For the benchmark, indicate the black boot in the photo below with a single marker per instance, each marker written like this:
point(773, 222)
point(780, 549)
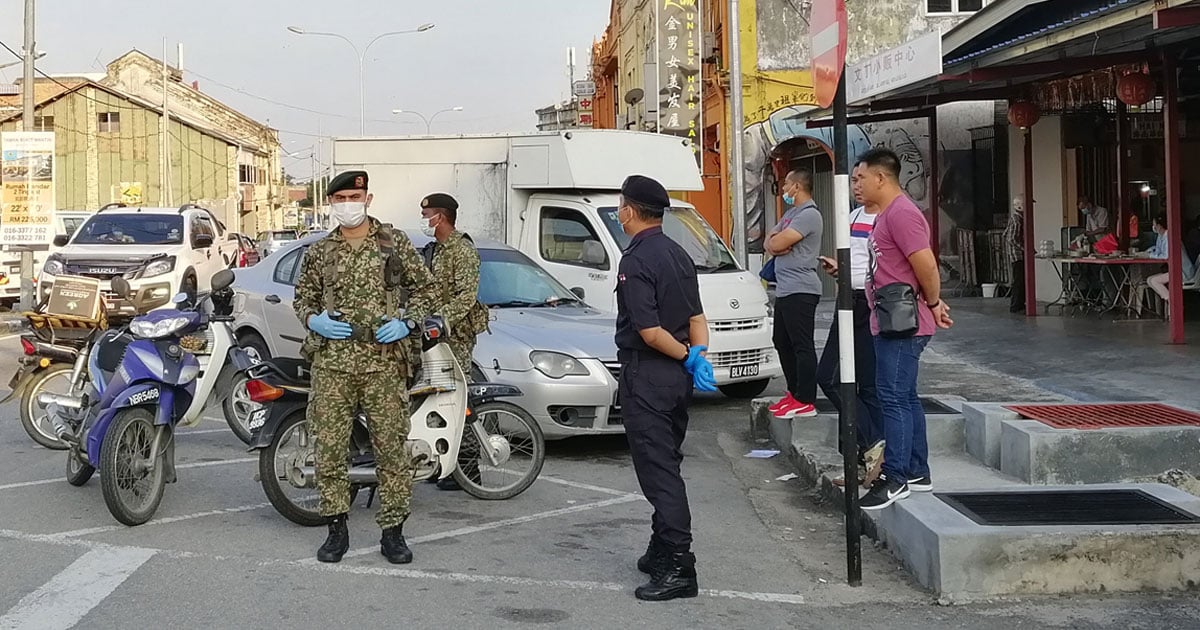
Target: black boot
point(652, 558)
point(337, 542)
point(393, 547)
point(677, 578)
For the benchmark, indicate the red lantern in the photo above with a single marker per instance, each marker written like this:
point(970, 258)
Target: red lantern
point(1135, 89)
point(1023, 114)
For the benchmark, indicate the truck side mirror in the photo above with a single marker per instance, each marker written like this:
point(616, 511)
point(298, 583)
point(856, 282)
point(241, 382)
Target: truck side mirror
point(201, 241)
point(60, 240)
point(579, 292)
point(593, 253)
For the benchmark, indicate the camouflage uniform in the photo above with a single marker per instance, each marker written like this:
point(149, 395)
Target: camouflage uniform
point(361, 372)
point(456, 273)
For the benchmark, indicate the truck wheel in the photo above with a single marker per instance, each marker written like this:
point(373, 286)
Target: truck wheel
point(749, 389)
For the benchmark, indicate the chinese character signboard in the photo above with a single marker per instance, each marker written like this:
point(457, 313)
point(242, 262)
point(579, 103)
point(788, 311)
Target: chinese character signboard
point(919, 59)
point(26, 187)
point(585, 112)
point(679, 88)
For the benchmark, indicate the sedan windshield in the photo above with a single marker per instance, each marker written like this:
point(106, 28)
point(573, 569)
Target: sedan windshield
point(131, 229)
point(686, 227)
point(509, 279)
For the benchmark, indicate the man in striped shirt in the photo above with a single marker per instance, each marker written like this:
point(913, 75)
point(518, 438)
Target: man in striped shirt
point(870, 414)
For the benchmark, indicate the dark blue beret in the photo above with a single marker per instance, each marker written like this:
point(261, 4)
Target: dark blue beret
point(646, 191)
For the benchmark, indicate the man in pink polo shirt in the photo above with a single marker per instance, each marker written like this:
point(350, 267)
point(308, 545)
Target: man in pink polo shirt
point(900, 253)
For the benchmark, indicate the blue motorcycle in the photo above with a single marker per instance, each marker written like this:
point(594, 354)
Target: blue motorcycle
point(142, 381)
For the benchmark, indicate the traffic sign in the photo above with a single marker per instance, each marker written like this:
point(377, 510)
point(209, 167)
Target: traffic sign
point(584, 88)
point(827, 28)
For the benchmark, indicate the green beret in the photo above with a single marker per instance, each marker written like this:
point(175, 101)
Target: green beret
point(646, 191)
point(350, 180)
point(440, 200)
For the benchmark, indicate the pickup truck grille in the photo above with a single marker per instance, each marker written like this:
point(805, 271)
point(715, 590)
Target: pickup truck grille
point(103, 270)
point(734, 325)
point(737, 357)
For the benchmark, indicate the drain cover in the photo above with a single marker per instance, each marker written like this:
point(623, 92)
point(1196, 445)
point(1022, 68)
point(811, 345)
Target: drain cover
point(1109, 416)
point(1066, 507)
point(932, 407)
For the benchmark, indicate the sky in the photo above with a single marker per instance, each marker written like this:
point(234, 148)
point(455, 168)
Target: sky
point(497, 59)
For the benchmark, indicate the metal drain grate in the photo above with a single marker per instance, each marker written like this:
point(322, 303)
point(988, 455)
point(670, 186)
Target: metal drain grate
point(1066, 507)
point(1109, 416)
point(932, 407)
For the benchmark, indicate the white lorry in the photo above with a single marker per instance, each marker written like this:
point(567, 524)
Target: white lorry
point(553, 196)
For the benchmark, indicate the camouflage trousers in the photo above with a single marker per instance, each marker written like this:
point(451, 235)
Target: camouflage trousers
point(383, 396)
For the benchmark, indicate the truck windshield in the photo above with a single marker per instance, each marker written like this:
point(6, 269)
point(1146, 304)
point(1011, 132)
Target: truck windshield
point(131, 229)
point(686, 227)
point(509, 279)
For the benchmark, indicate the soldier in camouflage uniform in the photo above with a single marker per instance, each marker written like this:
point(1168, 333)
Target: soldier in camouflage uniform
point(347, 297)
point(455, 264)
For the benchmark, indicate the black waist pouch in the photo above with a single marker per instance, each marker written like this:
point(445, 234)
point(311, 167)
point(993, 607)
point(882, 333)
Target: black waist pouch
point(896, 310)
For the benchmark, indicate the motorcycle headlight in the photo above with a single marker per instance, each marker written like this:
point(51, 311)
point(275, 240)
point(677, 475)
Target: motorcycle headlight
point(157, 330)
point(159, 267)
point(53, 266)
point(556, 364)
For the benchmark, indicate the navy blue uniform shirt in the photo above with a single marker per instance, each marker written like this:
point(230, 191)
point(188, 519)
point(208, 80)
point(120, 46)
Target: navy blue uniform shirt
point(656, 286)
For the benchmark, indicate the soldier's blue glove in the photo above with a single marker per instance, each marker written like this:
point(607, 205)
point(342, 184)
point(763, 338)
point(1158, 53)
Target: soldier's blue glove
point(328, 327)
point(702, 376)
point(391, 331)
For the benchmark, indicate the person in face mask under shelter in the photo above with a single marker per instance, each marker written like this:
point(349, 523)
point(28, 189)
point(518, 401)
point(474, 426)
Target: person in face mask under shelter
point(350, 307)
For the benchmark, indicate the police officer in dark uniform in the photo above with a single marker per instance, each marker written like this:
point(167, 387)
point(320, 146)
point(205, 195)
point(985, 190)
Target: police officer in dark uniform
point(661, 339)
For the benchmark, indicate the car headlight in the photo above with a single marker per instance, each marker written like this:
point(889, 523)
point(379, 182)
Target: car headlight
point(557, 364)
point(157, 330)
point(53, 267)
point(159, 267)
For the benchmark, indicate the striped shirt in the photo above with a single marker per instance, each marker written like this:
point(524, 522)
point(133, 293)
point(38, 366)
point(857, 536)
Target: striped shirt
point(861, 224)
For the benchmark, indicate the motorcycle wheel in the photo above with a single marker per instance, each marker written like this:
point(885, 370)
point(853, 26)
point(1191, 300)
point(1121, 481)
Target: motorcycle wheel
point(523, 441)
point(34, 418)
point(236, 404)
point(302, 511)
point(78, 473)
point(132, 496)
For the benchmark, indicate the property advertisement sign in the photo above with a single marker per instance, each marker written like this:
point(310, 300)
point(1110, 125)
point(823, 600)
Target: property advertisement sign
point(679, 65)
point(26, 187)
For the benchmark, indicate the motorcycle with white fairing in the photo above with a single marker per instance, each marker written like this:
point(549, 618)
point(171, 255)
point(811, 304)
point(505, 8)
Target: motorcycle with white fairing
point(136, 385)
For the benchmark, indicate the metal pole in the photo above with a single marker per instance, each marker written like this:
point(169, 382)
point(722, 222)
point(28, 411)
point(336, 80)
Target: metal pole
point(1027, 227)
point(737, 175)
point(935, 181)
point(845, 315)
point(1171, 118)
point(27, 103)
point(362, 95)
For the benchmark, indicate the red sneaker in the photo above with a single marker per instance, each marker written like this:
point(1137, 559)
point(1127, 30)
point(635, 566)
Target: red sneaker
point(795, 409)
point(787, 398)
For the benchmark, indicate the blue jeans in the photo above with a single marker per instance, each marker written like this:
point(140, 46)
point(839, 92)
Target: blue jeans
point(906, 455)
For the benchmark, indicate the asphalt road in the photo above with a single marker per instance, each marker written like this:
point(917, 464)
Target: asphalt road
point(560, 555)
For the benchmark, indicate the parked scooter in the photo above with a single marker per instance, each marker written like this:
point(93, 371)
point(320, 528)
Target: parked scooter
point(49, 350)
point(142, 381)
point(509, 437)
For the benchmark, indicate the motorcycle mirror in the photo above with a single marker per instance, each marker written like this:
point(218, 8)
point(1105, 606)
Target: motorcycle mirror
point(179, 298)
point(223, 279)
point(121, 287)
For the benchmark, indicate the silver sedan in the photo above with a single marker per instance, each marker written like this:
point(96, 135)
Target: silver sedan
point(542, 339)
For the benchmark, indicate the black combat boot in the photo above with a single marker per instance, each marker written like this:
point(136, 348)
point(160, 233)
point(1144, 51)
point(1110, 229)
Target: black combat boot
point(393, 547)
point(338, 541)
point(652, 558)
point(675, 577)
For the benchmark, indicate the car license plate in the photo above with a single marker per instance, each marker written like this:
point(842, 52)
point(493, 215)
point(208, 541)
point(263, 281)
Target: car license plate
point(742, 371)
point(257, 418)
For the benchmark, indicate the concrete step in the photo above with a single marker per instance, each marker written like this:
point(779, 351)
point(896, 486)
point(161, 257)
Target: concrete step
point(959, 559)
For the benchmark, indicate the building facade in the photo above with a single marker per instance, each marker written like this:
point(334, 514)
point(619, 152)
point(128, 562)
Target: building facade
point(560, 116)
point(109, 145)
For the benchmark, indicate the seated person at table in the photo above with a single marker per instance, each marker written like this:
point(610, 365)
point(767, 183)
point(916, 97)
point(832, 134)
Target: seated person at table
point(1158, 282)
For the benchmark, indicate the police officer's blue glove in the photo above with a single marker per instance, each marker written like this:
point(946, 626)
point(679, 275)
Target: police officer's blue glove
point(702, 377)
point(328, 327)
point(391, 331)
point(693, 353)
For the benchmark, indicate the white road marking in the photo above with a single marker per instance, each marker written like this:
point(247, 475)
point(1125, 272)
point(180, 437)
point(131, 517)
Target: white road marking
point(203, 431)
point(222, 462)
point(70, 595)
point(585, 486)
point(579, 585)
point(474, 529)
point(160, 521)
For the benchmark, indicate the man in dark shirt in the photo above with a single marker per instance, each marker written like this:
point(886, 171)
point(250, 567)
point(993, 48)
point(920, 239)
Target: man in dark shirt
point(661, 339)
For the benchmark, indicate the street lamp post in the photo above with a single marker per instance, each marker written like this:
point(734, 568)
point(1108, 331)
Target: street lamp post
point(362, 57)
point(428, 121)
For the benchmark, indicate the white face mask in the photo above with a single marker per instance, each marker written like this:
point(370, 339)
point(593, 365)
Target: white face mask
point(427, 226)
point(349, 214)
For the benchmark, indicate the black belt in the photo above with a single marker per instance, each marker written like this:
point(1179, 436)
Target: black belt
point(633, 356)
